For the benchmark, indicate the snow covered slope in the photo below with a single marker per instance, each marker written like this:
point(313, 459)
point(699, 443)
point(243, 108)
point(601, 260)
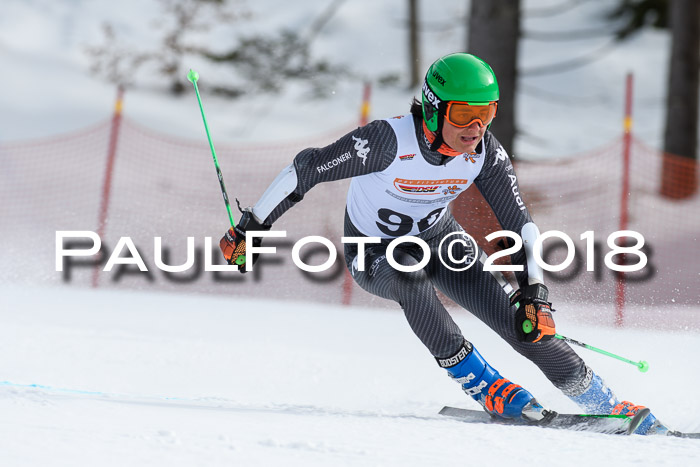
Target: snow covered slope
point(173, 380)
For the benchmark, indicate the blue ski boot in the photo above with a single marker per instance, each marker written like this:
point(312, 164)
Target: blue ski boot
point(650, 426)
point(597, 398)
point(594, 397)
point(497, 395)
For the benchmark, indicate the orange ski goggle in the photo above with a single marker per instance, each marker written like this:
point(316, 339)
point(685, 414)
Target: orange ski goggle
point(463, 114)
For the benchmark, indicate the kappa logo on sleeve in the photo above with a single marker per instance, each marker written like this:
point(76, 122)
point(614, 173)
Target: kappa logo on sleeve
point(361, 148)
point(501, 155)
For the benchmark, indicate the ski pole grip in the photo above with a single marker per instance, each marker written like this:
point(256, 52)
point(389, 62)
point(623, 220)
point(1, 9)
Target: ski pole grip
point(193, 76)
point(527, 326)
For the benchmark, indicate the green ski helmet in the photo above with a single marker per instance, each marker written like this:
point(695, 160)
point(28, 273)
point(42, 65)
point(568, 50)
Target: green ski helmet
point(456, 77)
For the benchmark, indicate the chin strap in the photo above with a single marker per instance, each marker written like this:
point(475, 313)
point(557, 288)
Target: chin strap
point(438, 144)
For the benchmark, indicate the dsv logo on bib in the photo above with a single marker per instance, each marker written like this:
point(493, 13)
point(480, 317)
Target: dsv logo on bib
point(428, 187)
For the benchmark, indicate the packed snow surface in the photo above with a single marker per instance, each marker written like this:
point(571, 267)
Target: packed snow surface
point(95, 378)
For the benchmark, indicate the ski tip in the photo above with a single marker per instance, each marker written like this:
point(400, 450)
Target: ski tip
point(637, 420)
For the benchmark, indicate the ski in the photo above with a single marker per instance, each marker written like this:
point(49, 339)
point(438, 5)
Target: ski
point(680, 434)
point(609, 424)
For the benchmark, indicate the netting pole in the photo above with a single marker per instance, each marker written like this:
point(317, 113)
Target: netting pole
point(109, 168)
point(364, 119)
point(624, 201)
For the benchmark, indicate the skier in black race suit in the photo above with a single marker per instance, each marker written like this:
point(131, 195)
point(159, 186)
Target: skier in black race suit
point(405, 171)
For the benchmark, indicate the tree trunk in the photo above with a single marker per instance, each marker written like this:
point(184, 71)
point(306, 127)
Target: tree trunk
point(494, 31)
point(679, 174)
point(413, 44)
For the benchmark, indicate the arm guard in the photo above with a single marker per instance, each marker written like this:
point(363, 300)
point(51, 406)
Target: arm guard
point(281, 187)
point(529, 234)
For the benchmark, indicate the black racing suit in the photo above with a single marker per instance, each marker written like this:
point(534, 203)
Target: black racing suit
point(477, 291)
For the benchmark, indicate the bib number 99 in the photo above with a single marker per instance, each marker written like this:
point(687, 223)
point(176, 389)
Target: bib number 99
point(396, 224)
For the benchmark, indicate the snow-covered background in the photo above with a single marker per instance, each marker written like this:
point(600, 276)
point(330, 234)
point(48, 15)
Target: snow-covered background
point(47, 89)
point(139, 378)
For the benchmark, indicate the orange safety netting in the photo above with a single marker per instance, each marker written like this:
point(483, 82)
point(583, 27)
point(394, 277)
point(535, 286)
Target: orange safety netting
point(584, 193)
point(166, 187)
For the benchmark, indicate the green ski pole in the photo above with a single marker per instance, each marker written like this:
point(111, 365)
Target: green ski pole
point(642, 365)
point(193, 76)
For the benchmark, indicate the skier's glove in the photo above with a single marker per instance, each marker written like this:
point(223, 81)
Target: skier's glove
point(533, 319)
point(233, 243)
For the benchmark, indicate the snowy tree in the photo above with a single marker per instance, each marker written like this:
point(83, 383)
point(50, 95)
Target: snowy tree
point(260, 62)
point(494, 31)
point(681, 126)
